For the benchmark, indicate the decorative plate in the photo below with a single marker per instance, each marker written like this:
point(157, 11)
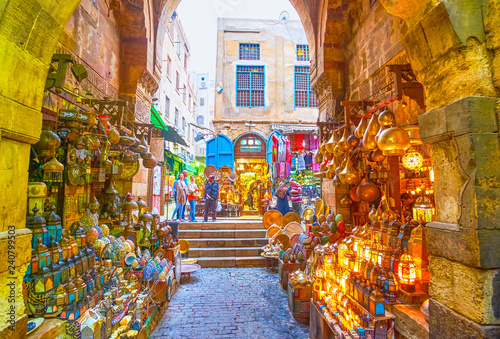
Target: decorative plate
point(273, 231)
point(218, 174)
point(34, 323)
point(293, 228)
point(129, 169)
point(284, 240)
point(290, 217)
point(320, 207)
point(272, 217)
point(208, 171)
point(307, 214)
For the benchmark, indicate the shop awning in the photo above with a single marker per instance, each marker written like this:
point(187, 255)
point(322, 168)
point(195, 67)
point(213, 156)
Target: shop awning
point(168, 133)
point(175, 163)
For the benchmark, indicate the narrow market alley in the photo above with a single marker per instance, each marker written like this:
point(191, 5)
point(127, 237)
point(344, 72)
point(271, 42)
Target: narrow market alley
point(230, 303)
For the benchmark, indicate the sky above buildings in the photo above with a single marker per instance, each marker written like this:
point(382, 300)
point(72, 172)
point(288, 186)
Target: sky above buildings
point(199, 19)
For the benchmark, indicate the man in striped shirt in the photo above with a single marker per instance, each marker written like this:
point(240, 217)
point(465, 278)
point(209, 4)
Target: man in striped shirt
point(296, 196)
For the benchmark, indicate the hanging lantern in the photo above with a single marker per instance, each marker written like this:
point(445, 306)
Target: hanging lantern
point(412, 160)
point(422, 209)
point(368, 191)
point(359, 132)
point(47, 145)
point(386, 118)
point(407, 272)
point(394, 141)
point(343, 145)
point(53, 171)
point(330, 144)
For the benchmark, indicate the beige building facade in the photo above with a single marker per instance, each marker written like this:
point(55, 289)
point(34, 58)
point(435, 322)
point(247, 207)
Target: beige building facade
point(268, 67)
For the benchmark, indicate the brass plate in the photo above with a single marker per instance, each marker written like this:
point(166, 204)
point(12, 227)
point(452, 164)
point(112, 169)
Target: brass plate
point(293, 228)
point(129, 169)
point(320, 207)
point(294, 239)
point(272, 217)
point(321, 219)
point(184, 246)
point(273, 231)
point(289, 217)
point(327, 210)
point(284, 240)
point(217, 174)
point(209, 170)
point(307, 213)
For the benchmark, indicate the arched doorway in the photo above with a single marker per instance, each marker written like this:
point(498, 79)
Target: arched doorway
point(253, 184)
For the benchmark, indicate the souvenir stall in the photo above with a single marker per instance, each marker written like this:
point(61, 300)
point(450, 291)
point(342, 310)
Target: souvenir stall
point(101, 263)
point(253, 182)
point(377, 264)
point(291, 156)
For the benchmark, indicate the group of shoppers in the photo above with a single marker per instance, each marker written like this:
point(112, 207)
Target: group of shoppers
point(295, 194)
point(185, 191)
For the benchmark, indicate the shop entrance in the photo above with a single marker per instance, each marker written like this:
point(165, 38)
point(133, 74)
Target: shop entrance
point(253, 184)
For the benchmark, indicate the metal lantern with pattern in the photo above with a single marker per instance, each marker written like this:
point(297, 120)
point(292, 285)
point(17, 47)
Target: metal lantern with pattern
point(412, 160)
point(422, 209)
point(405, 234)
point(391, 287)
point(53, 221)
point(407, 272)
point(67, 255)
point(81, 287)
point(53, 171)
point(85, 259)
point(44, 278)
point(56, 263)
point(37, 225)
point(78, 232)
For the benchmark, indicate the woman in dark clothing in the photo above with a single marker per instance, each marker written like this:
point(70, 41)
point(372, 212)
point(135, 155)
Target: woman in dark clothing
point(282, 194)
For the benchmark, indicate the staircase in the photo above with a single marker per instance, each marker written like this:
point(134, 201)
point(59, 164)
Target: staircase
point(225, 243)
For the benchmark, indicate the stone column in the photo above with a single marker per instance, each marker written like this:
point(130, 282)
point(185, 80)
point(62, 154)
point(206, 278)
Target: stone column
point(452, 54)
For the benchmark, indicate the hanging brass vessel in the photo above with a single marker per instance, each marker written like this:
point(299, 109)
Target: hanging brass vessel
point(343, 144)
point(386, 118)
point(349, 175)
point(330, 144)
point(359, 132)
point(394, 141)
point(353, 141)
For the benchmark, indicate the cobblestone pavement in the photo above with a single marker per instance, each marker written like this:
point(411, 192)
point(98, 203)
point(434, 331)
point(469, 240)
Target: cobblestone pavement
point(230, 303)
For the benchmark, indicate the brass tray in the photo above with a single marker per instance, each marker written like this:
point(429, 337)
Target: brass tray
point(320, 207)
point(209, 170)
point(289, 217)
point(307, 213)
point(272, 217)
point(284, 240)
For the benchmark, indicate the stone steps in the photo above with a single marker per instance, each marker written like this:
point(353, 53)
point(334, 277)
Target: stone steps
point(221, 225)
point(226, 242)
point(224, 252)
point(255, 261)
point(213, 234)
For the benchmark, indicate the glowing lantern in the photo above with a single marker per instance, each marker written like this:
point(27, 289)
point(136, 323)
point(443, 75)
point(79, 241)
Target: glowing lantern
point(407, 272)
point(422, 209)
point(413, 160)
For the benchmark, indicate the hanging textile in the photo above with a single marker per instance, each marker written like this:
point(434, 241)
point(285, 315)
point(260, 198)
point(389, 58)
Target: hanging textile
point(314, 142)
point(307, 144)
point(315, 167)
point(293, 142)
point(288, 159)
point(308, 159)
point(300, 141)
point(275, 148)
point(288, 169)
point(301, 164)
point(281, 149)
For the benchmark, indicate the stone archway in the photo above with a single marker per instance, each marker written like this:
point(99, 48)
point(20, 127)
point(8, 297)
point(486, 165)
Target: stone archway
point(29, 33)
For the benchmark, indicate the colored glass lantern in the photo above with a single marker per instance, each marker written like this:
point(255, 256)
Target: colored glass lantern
point(386, 262)
point(78, 264)
point(85, 259)
point(419, 252)
point(412, 160)
point(44, 278)
point(422, 209)
point(33, 265)
point(53, 222)
point(396, 255)
point(404, 234)
point(391, 287)
point(81, 287)
point(369, 268)
point(383, 236)
point(394, 232)
point(53, 171)
point(72, 292)
point(37, 225)
point(374, 252)
point(374, 229)
point(67, 256)
point(377, 277)
point(55, 264)
point(91, 256)
point(78, 232)
point(407, 272)
point(377, 307)
point(367, 250)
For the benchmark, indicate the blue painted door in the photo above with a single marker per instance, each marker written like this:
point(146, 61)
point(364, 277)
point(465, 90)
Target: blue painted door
point(269, 153)
point(220, 152)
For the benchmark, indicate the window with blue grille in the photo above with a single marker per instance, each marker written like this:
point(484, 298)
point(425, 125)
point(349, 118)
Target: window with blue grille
point(249, 52)
point(250, 86)
point(302, 52)
point(304, 96)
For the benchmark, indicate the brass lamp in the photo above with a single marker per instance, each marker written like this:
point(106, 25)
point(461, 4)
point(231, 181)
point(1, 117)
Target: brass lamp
point(394, 141)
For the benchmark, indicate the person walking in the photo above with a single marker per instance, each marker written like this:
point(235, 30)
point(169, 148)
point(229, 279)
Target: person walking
point(211, 198)
point(296, 196)
point(181, 196)
point(183, 212)
point(282, 193)
point(192, 197)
